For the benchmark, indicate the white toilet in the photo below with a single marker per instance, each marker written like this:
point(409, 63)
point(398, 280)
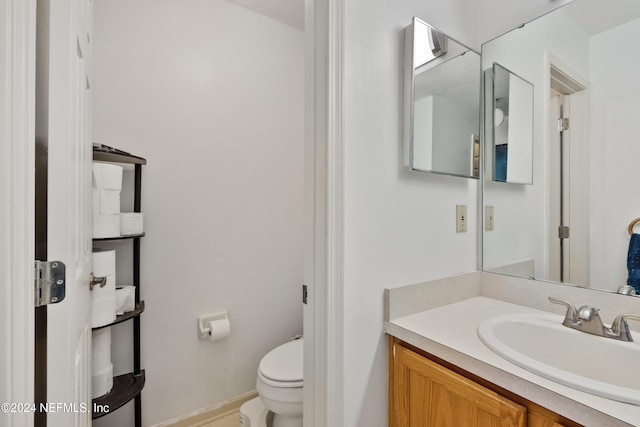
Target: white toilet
point(279, 386)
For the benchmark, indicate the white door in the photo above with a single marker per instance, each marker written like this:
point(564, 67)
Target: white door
point(577, 174)
point(69, 211)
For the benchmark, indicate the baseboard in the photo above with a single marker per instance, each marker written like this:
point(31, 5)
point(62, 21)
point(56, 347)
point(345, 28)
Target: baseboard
point(209, 413)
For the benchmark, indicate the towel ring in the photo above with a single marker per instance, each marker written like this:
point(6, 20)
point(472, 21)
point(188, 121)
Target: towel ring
point(634, 222)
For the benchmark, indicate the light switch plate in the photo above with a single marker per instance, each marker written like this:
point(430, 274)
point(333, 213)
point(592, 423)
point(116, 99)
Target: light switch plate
point(461, 218)
point(488, 218)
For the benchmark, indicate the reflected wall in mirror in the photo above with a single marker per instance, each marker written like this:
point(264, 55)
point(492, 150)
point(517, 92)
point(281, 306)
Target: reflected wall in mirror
point(571, 224)
point(510, 126)
point(442, 103)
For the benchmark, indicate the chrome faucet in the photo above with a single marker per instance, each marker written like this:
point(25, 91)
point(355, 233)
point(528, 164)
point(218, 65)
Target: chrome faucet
point(587, 319)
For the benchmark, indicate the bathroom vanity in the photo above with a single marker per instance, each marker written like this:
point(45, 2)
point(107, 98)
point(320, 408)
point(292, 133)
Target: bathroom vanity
point(426, 390)
point(440, 371)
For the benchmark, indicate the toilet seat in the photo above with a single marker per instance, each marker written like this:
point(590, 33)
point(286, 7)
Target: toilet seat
point(283, 366)
point(279, 384)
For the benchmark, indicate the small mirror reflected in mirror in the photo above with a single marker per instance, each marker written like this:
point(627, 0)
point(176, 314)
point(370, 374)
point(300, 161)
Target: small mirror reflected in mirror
point(511, 127)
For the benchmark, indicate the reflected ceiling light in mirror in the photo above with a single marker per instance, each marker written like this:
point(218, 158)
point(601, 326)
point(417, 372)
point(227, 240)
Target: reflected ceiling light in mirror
point(437, 45)
point(498, 117)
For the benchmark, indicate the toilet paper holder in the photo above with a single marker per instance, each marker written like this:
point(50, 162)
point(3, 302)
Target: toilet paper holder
point(204, 332)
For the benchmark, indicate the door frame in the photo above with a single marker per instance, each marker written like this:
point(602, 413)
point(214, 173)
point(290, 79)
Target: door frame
point(324, 214)
point(323, 265)
point(579, 241)
point(17, 193)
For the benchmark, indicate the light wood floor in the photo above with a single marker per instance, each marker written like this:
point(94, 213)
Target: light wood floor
point(225, 415)
point(229, 419)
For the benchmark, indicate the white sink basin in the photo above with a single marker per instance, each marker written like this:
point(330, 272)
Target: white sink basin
point(540, 344)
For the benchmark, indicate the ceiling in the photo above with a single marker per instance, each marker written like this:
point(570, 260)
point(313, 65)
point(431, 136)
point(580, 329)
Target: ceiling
point(290, 12)
point(596, 16)
point(587, 13)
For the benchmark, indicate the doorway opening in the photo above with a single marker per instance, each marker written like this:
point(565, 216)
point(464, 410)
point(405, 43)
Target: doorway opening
point(568, 193)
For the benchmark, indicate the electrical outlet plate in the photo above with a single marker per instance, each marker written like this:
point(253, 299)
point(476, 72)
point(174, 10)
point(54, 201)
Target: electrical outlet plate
point(488, 218)
point(461, 218)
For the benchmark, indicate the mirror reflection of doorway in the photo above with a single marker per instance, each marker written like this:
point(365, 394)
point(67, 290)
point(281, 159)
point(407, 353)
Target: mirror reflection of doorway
point(568, 179)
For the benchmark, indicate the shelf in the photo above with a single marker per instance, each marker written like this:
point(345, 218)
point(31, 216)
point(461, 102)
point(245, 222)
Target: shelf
point(125, 388)
point(131, 236)
point(124, 317)
point(117, 157)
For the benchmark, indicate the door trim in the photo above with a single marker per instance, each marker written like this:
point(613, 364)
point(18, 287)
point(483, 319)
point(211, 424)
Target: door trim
point(17, 136)
point(324, 214)
point(578, 83)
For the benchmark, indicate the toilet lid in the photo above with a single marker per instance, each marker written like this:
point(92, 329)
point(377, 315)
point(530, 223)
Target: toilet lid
point(283, 363)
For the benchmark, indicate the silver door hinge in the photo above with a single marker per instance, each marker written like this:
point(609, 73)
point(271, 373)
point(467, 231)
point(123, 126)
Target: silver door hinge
point(563, 232)
point(563, 124)
point(305, 294)
point(49, 282)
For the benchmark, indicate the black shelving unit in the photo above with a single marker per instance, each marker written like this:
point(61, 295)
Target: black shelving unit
point(129, 386)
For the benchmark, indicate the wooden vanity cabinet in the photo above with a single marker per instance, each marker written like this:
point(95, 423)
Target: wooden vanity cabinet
point(425, 393)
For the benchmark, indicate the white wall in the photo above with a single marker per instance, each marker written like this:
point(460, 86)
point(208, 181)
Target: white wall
point(399, 225)
point(615, 108)
point(212, 95)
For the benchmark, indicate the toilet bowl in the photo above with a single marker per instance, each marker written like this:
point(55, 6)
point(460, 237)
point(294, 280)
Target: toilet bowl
point(279, 383)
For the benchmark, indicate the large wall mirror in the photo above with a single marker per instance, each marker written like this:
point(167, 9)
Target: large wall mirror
point(442, 103)
point(571, 224)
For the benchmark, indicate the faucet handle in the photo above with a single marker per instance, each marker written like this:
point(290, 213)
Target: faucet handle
point(626, 290)
point(588, 313)
point(572, 313)
point(620, 327)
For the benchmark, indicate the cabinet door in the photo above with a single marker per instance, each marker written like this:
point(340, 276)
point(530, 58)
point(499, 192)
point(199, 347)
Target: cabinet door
point(425, 394)
point(537, 420)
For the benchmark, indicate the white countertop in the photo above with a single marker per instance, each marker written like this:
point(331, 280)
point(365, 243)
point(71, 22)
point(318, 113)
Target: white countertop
point(450, 332)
